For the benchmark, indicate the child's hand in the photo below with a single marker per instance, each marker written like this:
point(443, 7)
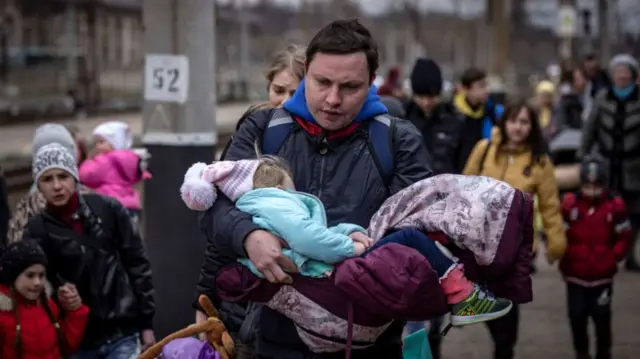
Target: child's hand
point(358, 249)
point(361, 238)
point(361, 243)
point(69, 298)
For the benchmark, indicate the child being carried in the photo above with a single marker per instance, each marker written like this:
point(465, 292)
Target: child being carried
point(264, 189)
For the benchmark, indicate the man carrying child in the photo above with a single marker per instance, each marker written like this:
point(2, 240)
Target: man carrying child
point(330, 154)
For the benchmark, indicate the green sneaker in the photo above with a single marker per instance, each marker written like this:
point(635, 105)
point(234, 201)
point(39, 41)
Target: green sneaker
point(480, 306)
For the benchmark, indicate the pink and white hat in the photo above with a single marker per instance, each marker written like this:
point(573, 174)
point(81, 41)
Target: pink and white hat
point(233, 178)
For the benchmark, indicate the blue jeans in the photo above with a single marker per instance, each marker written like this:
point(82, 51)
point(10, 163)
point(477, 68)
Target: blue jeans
point(419, 241)
point(124, 348)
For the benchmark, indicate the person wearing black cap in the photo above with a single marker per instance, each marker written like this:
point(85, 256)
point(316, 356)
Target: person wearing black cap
point(598, 237)
point(438, 121)
point(440, 126)
point(31, 325)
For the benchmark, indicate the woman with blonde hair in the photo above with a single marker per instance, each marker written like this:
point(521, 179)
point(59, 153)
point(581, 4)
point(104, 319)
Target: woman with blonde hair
point(284, 74)
point(283, 77)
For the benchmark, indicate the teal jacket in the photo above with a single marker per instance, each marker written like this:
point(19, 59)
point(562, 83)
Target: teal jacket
point(300, 220)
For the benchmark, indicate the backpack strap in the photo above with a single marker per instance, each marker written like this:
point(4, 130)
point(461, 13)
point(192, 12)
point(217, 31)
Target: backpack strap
point(380, 139)
point(277, 131)
point(381, 144)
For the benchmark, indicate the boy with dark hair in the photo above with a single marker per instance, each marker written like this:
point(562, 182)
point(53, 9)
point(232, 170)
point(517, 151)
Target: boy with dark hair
point(595, 74)
point(480, 113)
point(598, 236)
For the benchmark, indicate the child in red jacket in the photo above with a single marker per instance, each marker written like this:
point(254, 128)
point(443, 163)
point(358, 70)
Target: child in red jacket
point(598, 235)
point(31, 326)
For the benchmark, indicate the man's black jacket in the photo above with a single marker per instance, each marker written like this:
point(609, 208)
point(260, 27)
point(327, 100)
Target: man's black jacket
point(441, 131)
point(349, 184)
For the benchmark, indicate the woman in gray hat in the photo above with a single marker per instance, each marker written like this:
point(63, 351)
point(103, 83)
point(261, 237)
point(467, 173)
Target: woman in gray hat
point(33, 202)
point(91, 243)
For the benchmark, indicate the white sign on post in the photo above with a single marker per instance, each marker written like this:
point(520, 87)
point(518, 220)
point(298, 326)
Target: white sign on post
point(567, 18)
point(166, 78)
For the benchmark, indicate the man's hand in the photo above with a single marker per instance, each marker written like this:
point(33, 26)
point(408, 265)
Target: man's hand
point(147, 339)
point(69, 298)
point(265, 251)
point(359, 237)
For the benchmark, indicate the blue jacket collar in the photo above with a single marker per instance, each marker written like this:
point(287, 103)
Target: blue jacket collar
point(297, 105)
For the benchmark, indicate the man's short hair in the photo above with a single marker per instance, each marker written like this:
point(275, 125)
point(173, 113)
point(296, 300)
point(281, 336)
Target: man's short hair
point(343, 37)
point(471, 76)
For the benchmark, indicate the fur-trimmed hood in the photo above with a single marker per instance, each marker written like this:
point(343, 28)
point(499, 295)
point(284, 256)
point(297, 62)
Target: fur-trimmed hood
point(6, 304)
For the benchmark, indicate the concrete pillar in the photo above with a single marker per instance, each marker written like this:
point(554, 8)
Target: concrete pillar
point(177, 136)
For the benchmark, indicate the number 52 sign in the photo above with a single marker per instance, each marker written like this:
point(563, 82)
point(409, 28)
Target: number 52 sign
point(166, 78)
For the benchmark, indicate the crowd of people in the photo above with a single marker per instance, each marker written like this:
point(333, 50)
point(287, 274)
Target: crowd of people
point(602, 104)
point(322, 180)
point(73, 249)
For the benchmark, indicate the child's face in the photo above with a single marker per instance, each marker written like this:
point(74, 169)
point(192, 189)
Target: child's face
point(30, 283)
point(57, 186)
point(101, 145)
point(591, 190)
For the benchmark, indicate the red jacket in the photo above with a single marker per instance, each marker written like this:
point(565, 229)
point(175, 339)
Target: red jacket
point(598, 236)
point(38, 334)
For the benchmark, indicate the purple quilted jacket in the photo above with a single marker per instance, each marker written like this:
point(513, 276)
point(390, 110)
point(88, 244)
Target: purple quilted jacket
point(355, 305)
point(509, 276)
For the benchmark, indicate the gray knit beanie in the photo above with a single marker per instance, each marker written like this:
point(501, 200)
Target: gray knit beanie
point(53, 133)
point(54, 156)
point(627, 60)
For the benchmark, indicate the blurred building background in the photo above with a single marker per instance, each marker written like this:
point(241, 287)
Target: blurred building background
point(93, 49)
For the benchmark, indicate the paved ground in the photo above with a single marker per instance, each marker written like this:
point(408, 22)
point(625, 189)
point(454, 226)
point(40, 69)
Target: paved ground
point(544, 327)
point(16, 139)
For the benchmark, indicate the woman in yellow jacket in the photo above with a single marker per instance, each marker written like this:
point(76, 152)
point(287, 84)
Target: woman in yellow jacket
point(516, 154)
